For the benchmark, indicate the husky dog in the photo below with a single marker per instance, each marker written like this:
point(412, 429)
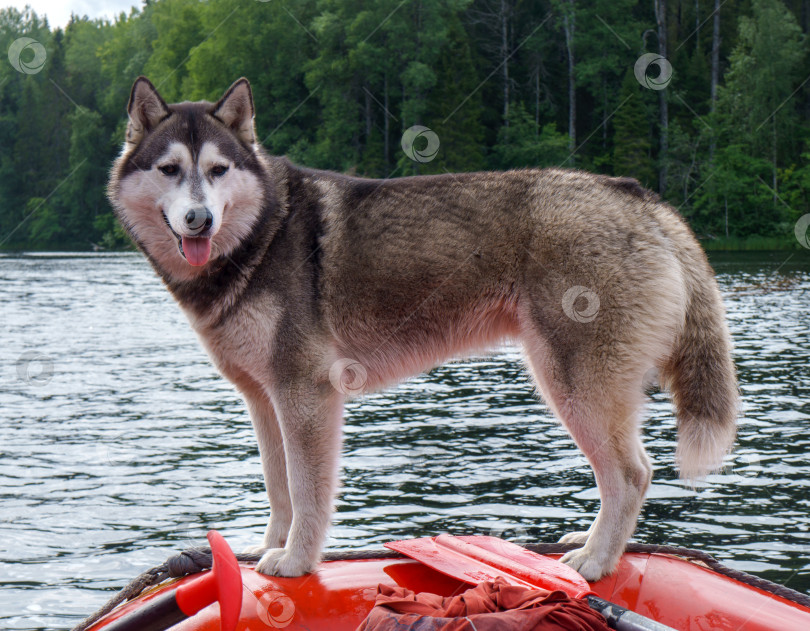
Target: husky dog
point(305, 286)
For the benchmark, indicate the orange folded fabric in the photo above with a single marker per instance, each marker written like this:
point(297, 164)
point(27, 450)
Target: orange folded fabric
point(490, 606)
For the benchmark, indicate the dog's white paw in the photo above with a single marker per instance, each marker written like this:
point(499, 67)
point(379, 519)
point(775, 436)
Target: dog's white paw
point(254, 549)
point(575, 537)
point(591, 566)
point(281, 562)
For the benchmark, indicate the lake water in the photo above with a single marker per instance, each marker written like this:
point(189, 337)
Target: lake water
point(120, 444)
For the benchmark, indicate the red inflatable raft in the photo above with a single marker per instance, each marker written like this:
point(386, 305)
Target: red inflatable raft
point(683, 589)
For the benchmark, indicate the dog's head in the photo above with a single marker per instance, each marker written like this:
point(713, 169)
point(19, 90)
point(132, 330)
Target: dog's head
point(188, 184)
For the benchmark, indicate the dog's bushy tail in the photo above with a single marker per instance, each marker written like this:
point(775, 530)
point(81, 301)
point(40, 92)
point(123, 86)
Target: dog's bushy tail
point(701, 376)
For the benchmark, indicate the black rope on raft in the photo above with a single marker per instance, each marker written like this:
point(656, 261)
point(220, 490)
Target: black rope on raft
point(197, 560)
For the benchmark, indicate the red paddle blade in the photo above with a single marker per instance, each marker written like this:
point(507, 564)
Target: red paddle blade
point(222, 584)
point(229, 581)
point(480, 558)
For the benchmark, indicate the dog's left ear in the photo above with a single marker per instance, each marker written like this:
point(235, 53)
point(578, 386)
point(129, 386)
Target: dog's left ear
point(235, 110)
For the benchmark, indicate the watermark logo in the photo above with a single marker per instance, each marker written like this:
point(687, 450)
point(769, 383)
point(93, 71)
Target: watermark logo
point(420, 143)
point(275, 609)
point(508, 538)
point(651, 379)
point(34, 52)
point(580, 304)
point(800, 230)
point(348, 376)
point(191, 534)
point(35, 369)
point(115, 450)
point(653, 60)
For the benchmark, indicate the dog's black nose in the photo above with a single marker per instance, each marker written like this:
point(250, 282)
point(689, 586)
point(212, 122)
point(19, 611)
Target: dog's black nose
point(199, 219)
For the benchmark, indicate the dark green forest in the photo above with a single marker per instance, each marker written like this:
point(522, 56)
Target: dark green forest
point(715, 117)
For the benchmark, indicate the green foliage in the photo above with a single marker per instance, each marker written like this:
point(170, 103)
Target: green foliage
point(179, 28)
point(113, 236)
point(522, 144)
point(752, 243)
point(759, 129)
point(795, 187)
point(88, 161)
point(43, 221)
point(765, 68)
point(688, 141)
point(454, 105)
point(632, 149)
point(338, 82)
point(739, 197)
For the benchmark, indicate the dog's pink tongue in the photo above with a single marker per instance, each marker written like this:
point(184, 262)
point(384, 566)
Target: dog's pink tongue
point(197, 250)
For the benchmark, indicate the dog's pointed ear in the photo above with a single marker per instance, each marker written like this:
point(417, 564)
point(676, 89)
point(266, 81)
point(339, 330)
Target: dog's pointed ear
point(235, 110)
point(146, 109)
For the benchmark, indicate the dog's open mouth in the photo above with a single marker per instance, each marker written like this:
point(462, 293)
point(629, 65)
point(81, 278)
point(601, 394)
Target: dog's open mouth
point(196, 250)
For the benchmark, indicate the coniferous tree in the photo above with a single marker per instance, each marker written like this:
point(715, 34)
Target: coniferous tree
point(631, 137)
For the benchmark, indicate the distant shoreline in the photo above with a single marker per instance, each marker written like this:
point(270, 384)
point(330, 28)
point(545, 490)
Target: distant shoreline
point(732, 244)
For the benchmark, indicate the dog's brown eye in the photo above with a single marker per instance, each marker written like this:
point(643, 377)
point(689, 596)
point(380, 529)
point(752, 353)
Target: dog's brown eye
point(218, 170)
point(169, 169)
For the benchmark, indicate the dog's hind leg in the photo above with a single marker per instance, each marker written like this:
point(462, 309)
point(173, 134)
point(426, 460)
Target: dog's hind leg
point(581, 537)
point(274, 469)
point(600, 410)
point(622, 478)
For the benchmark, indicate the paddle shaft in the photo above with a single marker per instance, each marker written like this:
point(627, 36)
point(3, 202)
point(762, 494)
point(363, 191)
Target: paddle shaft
point(623, 619)
point(158, 614)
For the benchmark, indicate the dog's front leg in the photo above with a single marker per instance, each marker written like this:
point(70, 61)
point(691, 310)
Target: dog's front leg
point(274, 468)
point(310, 417)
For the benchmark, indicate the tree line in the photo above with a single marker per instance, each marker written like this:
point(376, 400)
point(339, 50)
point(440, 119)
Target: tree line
point(705, 101)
